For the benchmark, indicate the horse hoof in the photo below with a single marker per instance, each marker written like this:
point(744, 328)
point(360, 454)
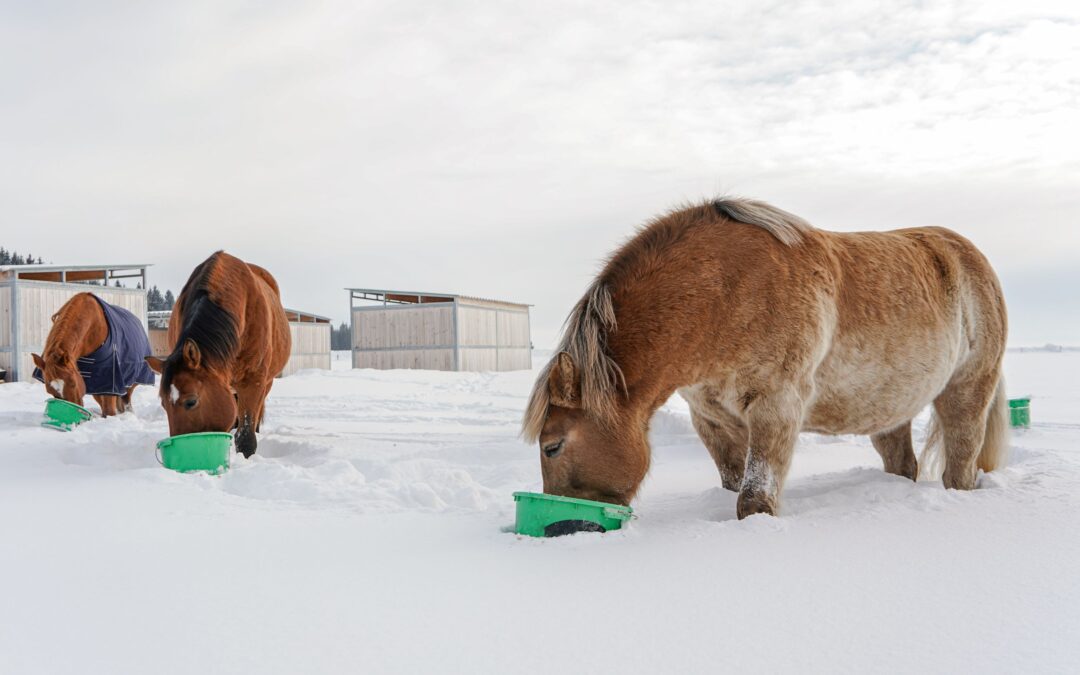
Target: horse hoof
point(246, 443)
point(749, 504)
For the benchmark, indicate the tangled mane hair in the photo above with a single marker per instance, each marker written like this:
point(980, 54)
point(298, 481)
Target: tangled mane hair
point(585, 340)
point(586, 331)
point(206, 323)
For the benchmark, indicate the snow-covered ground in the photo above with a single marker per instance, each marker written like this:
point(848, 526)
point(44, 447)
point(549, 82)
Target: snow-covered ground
point(366, 537)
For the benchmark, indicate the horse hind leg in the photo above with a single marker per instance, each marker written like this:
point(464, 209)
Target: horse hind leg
point(969, 416)
point(125, 400)
point(107, 403)
point(897, 452)
point(727, 440)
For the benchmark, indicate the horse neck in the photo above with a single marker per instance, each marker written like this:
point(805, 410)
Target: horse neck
point(232, 290)
point(654, 371)
point(78, 332)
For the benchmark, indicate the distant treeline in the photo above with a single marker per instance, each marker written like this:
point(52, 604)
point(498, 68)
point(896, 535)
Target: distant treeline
point(340, 337)
point(12, 258)
point(156, 302)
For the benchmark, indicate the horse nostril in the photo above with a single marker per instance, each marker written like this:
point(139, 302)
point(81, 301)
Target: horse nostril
point(553, 449)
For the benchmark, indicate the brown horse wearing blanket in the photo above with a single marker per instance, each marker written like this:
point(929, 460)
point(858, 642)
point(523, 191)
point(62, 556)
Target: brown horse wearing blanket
point(768, 327)
point(230, 339)
point(79, 332)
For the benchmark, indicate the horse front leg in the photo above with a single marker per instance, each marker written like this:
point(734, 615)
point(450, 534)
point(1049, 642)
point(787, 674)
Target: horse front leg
point(774, 422)
point(250, 399)
point(726, 438)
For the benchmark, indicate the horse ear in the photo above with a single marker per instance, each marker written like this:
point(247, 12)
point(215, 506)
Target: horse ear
point(156, 364)
point(192, 355)
point(38, 361)
point(564, 382)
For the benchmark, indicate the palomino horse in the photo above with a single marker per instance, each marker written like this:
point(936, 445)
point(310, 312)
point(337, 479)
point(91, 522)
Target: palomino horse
point(94, 348)
point(230, 338)
point(768, 326)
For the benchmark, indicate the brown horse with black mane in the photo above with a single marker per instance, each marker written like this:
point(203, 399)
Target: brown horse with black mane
point(768, 326)
point(230, 339)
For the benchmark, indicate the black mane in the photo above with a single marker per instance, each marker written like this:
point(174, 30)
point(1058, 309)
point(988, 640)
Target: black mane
point(206, 323)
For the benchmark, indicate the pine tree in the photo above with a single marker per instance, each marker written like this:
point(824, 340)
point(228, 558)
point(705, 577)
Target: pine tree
point(170, 300)
point(5, 257)
point(340, 337)
point(154, 301)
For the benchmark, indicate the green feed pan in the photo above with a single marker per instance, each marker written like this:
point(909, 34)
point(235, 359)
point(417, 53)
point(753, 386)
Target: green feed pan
point(206, 451)
point(1020, 412)
point(542, 515)
point(65, 416)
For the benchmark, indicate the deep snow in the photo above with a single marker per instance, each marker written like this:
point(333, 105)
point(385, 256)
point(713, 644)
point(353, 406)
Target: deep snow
point(365, 537)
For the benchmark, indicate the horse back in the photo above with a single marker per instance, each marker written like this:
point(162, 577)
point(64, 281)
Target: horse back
point(268, 278)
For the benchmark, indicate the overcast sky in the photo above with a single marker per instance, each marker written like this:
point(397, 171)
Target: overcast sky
point(502, 149)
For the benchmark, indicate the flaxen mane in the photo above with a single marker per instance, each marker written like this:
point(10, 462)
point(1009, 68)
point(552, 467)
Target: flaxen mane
point(593, 318)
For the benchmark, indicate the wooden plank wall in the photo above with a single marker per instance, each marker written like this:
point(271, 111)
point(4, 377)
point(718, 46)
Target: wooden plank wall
point(5, 316)
point(397, 326)
point(413, 359)
point(491, 337)
point(159, 342)
point(310, 347)
point(415, 337)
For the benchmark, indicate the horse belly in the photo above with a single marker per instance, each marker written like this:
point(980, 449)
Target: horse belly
point(861, 390)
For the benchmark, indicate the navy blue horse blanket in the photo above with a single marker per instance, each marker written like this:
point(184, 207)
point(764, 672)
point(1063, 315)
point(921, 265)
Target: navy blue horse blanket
point(118, 363)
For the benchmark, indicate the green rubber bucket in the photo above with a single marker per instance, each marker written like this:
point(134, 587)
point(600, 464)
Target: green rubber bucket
point(65, 416)
point(1020, 412)
point(542, 515)
point(206, 451)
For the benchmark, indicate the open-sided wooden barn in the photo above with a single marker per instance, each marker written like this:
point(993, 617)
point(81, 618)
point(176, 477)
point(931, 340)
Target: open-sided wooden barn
point(438, 331)
point(310, 339)
point(31, 294)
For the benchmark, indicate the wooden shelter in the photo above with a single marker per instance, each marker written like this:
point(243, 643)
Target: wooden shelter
point(438, 331)
point(310, 339)
point(31, 294)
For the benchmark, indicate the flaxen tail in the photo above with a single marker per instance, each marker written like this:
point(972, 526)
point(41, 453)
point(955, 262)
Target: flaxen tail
point(995, 445)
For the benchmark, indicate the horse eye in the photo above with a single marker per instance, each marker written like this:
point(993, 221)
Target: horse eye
point(190, 403)
point(553, 449)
